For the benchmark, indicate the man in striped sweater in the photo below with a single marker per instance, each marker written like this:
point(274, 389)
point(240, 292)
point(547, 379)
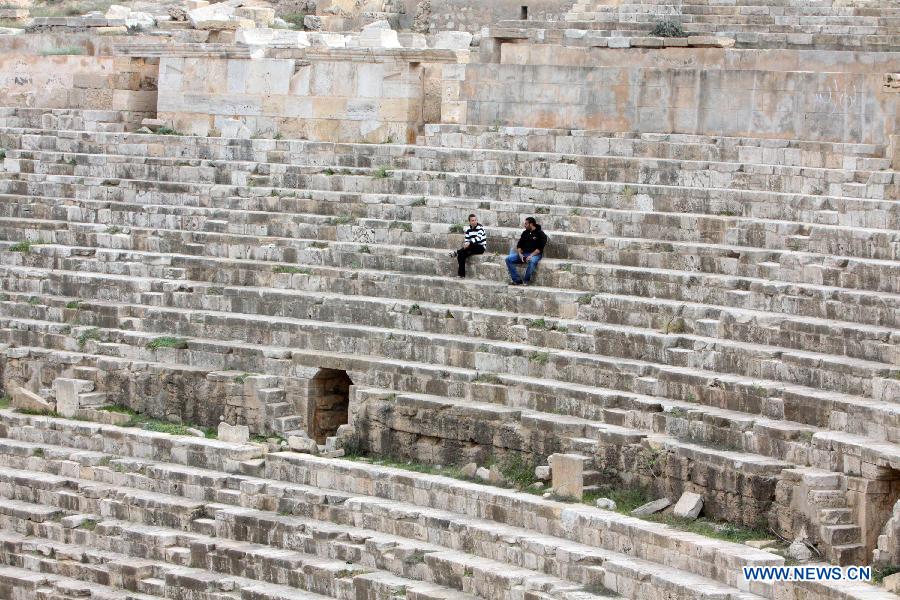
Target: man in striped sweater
point(476, 243)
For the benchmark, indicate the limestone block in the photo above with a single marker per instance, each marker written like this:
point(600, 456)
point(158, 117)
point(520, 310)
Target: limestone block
point(117, 11)
point(299, 443)
point(263, 36)
point(688, 506)
point(542, 472)
point(483, 473)
point(115, 30)
point(214, 12)
point(651, 507)
point(329, 40)
point(605, 503)
point(495, 476)
point(452, 40)
point(262, 16)
point(568, 474)
point(11, 31)
point(799, 551)
point(195, 4)
point(378, 35)
point(144, 20)
point(891, 583)
point(312, 23)
point(237, 434)
point(224, 25)
point(710, 41)
point(67, 394)
point(617, 42)
point(28, 400)
point(469, 470)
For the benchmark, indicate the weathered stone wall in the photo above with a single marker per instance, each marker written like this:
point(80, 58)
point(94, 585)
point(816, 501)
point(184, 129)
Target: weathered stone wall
point(837, 107)
point(454, 433)
point(74, 71)
point(349, 97)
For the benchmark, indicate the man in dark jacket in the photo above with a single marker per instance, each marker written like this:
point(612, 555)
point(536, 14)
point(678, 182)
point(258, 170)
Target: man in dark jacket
point(529, 251)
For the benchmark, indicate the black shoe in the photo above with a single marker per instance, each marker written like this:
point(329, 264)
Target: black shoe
point(516, 283)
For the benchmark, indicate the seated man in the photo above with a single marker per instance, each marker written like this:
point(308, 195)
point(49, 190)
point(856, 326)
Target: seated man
point(529, 250)
point(476, 242)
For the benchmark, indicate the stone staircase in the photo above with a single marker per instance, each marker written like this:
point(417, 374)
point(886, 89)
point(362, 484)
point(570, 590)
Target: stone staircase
point(142, 521)
point(730, 305)
point(753, 23)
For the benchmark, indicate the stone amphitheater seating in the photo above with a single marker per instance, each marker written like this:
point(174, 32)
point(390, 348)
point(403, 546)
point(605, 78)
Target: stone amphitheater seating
point(93, 507)
point(752, 23)
point(729, 302)
point(718, 311)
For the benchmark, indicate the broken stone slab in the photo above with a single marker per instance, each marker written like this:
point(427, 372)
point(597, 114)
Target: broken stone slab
point(891, 583)
point(651, 507)
point(213, 12)
point(303, 444)
point(195, 432)
point(452, 40)
point(710, 41)
point(483, 473)
point(195, 4)
point(688, 506)
point(263, 36)
point(469, 470)
point(312, 23)
point(605, 503)
point(28, 400)
point(495, 476)
point(143, 20)
point(378, 35)
point(542, 472)
point(236, 434)
point(117, 11)
point(798, 550)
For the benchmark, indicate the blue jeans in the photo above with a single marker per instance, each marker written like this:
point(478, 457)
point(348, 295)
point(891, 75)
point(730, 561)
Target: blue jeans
point(513, 260)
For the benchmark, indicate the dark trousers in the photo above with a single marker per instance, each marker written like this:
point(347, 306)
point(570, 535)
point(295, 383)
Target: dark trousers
point(463, 253)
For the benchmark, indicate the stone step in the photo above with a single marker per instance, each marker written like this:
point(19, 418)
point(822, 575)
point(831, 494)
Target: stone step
point(796, 406)
point(624, 566)
point(578, 252)
point(612, 306)
point(496, 356)
point(839, 535)
point(800, 153)
point(375, 311)
point(549, 171)
point(753, 233)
